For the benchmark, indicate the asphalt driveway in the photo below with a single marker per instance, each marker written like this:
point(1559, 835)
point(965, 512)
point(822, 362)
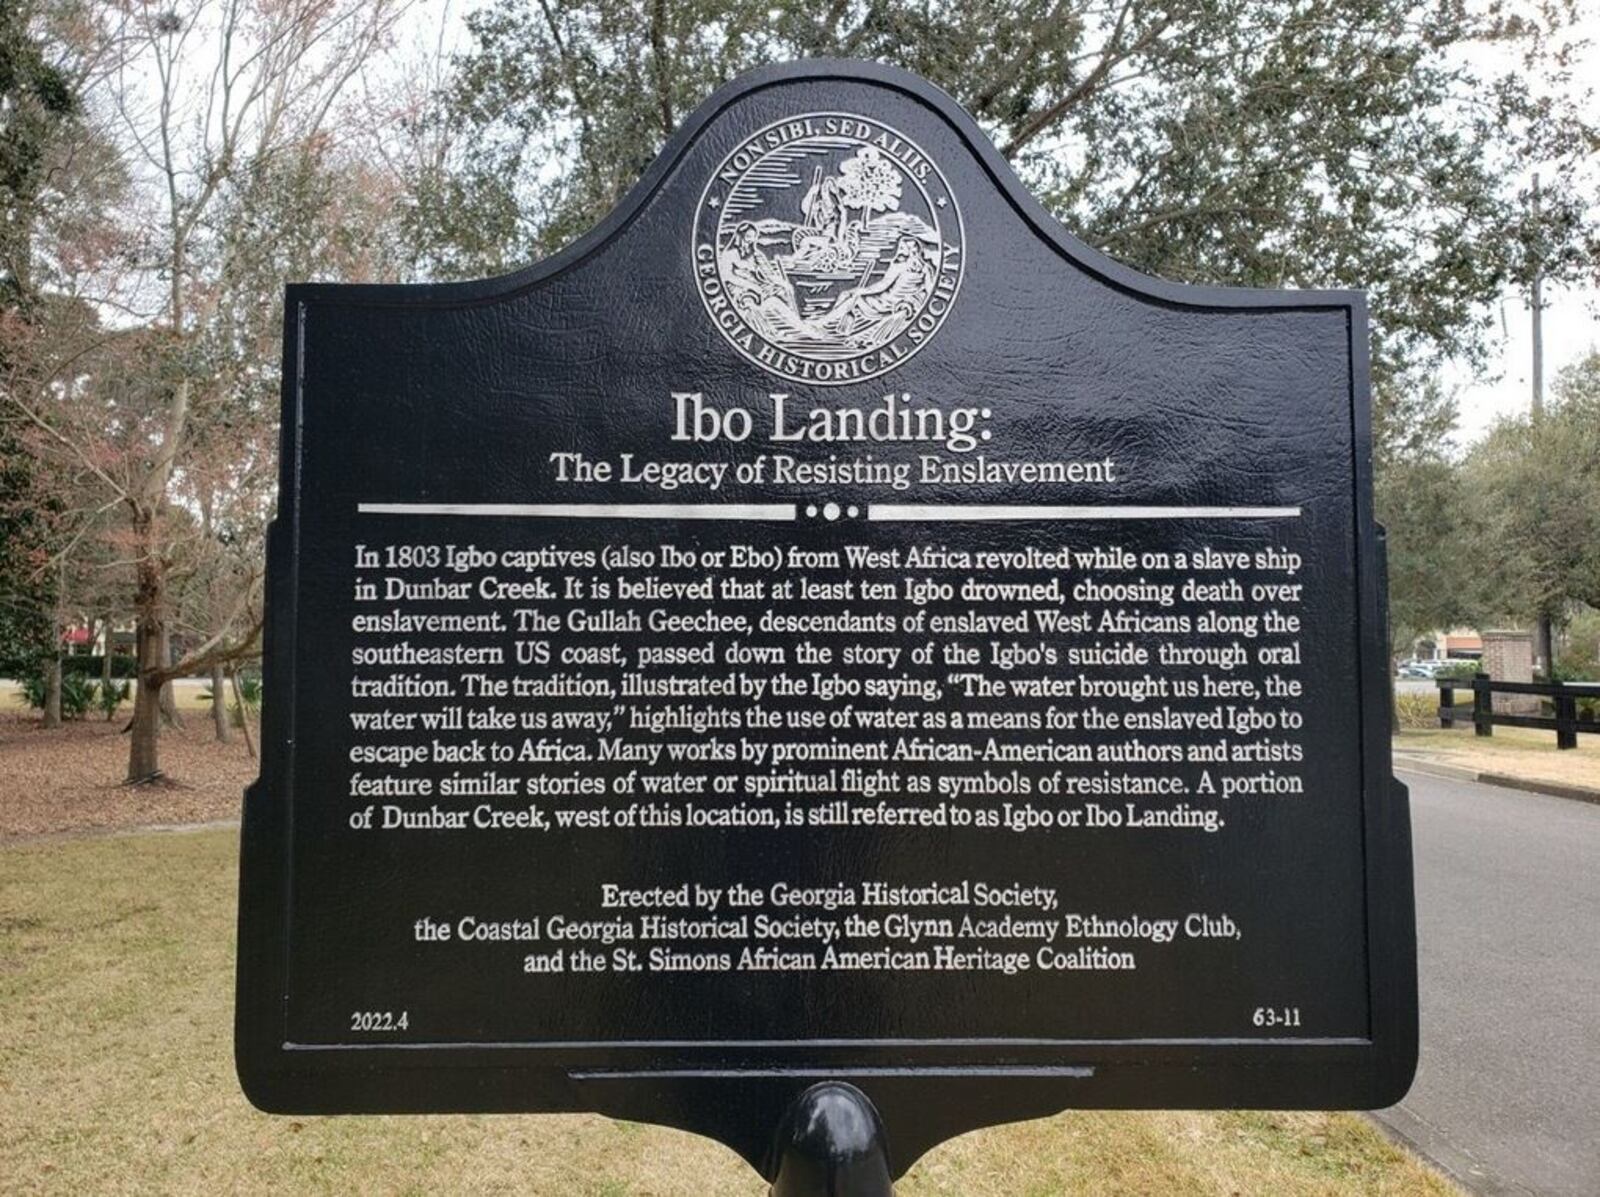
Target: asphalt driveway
point(1508, 927)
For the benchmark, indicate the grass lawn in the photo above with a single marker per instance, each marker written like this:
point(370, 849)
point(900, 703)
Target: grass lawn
point(1517, 751)
point(116, 1076)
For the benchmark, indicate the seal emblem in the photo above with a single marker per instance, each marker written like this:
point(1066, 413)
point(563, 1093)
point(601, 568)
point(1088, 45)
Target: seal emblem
point(828, 248)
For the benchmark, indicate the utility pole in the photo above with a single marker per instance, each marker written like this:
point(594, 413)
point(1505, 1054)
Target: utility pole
point(1538, 308)
point(1543, 641)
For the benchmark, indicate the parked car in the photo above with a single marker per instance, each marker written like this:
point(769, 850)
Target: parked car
point(1424, 670)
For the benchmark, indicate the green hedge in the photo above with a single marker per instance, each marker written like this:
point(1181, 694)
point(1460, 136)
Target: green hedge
point(88, 665)
point(122, 665)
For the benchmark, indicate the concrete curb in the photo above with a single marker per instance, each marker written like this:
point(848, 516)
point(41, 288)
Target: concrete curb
point(1553, 789)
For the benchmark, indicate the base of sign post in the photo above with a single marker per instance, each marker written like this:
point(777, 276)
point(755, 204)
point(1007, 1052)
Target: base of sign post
point(830, 1144)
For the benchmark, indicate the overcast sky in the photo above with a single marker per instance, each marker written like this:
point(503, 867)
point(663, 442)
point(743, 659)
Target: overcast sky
point(1571, 316)
point(1571, 329)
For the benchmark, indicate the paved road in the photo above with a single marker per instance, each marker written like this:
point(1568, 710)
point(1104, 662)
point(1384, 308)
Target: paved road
point(1508, 927)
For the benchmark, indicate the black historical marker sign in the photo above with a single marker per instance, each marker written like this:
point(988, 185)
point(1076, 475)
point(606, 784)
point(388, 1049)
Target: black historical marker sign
point(826, 624)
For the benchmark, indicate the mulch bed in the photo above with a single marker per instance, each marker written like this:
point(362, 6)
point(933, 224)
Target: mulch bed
point(68, 779)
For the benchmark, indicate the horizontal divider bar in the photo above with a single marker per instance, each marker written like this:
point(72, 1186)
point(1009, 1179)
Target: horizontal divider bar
point(598, 1045)
point(593, 511)
point(1080, 1072)
point(876, 512)
point(958, 513)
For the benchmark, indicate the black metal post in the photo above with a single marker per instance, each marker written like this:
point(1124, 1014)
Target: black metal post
point(831, 1144)
point(1566, 717)
point(1482, 705)
point(1447, 700)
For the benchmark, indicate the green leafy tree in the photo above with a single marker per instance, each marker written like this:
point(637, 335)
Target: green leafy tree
point(1256, 142)
point(1418, 500)
point(1534, 485)
point(1582, 644)
point(25, 597)
point(37, 98)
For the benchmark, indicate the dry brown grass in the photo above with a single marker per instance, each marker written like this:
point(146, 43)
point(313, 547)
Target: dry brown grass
point(1515, 751)
point(1417, 710)
point(116, 957)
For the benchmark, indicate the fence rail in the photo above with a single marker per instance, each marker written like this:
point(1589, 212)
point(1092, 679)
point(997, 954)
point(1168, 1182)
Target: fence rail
point(1564, 697)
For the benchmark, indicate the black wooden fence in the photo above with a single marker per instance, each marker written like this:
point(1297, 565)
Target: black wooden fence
point(1566, 721)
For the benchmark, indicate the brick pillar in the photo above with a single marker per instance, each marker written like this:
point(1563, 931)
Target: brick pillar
point(1508, 657)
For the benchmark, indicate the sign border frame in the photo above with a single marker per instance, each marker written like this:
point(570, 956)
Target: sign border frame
point(926, 1090)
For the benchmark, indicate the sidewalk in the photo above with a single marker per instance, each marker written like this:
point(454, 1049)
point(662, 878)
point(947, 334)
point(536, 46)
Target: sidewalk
point(1515, 757)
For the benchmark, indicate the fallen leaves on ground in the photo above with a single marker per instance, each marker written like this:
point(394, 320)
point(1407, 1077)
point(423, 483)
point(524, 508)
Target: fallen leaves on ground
point(68, 779)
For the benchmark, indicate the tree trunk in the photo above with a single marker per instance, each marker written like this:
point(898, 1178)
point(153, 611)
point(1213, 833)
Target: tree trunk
point(144, 745)
point(107, 681)
point(52, 690)
point(150, 591)
point(219, 704)
point(144, 750)
point(52, 674)
point(169, 692)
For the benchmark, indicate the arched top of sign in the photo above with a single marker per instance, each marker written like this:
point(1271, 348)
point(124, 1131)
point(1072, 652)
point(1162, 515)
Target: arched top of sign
point(826, 150)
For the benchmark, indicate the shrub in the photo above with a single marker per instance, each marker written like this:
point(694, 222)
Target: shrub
point(32, 692)
point(77, 692)
point(1588, 708)
point(111, 695)
point(1417, 710)
point(250, 689)
point(1577, 673)
point(77, 695)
